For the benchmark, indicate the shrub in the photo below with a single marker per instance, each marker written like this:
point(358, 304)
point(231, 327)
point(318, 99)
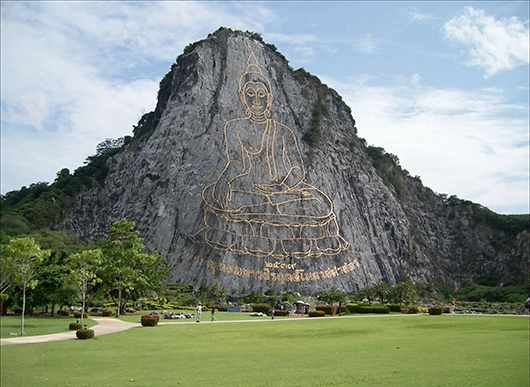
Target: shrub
point(381, 309)
point(106, 313)
point(364, 309)
point(84, 334)
point(413, 310)
point(394, 307)
point(220, 308)
point(150, 321)
point(263, 308)
point(436, 310)
point(78, 315)
point(281, 312)
point(351, 307)
point(75, 326)
point(327, 309)
point(64, 312)
point(316, 313)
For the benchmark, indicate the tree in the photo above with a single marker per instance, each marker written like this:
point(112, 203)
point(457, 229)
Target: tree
point(126, 268)
point(404, 292)
point(83, 272)
point(6, 271)
point(26, 256)
point(381, 289)
point(331, 296)
point(53, 278)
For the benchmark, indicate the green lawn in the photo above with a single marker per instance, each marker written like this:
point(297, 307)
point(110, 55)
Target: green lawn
point(37, 325)
point(392, 350)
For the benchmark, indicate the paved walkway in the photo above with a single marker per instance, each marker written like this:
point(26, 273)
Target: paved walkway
point(105, 325)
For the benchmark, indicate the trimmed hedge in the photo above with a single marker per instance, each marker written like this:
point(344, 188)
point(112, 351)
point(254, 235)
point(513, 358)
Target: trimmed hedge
point(106, 312)
point(78, 315)
point(316, 313)
point(436, 310)
point(394, 307)
point(351, 307)
point(75, 326)
point(85, 334)
point(413, 310)
point(370, 309)
point(281, 312)
point(328, 308)
point(149, 321)
point(220, 308)
point(263, 308)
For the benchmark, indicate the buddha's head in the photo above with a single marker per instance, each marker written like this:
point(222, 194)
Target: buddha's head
point(255, 91)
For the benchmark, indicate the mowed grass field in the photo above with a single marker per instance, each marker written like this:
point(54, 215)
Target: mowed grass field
point(394, 350)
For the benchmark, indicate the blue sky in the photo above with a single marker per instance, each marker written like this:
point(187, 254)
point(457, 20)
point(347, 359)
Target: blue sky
point(443, 85)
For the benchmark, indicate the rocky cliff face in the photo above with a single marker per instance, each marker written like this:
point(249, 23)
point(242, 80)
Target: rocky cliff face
point(254, 178)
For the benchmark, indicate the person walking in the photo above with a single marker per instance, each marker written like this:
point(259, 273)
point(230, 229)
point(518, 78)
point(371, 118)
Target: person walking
point(198, 311)
point(213, 314)
point(272, 314)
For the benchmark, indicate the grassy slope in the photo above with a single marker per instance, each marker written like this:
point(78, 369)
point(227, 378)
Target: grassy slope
point(394, 350)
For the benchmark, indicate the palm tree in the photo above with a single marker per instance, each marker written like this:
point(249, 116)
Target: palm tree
point(381, 289)
point(332, 295)
point(406, 292)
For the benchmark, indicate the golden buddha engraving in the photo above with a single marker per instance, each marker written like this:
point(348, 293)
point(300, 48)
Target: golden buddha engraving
point(260, 203)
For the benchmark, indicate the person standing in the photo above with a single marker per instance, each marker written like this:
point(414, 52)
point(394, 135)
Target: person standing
point(198, 311)
point(527, 305)
point(213, 314)
point(272, 314)
point(452, 307)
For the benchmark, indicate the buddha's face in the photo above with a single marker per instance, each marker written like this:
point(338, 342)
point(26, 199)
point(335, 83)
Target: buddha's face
point(256, 97)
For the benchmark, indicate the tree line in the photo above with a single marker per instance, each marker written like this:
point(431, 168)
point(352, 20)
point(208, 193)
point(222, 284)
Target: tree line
point(59, 270)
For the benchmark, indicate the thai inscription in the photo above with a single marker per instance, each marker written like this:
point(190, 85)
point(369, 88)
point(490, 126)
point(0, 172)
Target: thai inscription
point(261, 204)
point(267, 274)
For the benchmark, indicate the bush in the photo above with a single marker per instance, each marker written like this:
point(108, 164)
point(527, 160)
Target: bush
point(78, 315)
point(394, 307)
point(220, 308)
point(316, 313)
point(263, 308)
point(364, 309)
point(75, 326)
point(281, 312)
point(327, 309)
point(150, 321)
point(84, 334)
point(106, 313)
point(351, 307)
point(64, 312)
point(381, 309)
point(436, 310)
point(413, 310)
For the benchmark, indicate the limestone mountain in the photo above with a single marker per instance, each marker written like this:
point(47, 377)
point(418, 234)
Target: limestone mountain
point(250, 174)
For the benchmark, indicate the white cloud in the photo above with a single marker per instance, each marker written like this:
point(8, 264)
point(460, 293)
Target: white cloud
point(415, 15)
point(366, 45)
point(291, 38)
point(75, 73)
point(494, 45)
point(467, 143)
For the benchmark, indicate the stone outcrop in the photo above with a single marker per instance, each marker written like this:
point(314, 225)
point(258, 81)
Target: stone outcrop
point(284, 198)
